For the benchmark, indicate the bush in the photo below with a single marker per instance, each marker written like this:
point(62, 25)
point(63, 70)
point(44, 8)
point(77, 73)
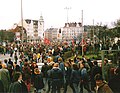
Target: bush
point(67, 55)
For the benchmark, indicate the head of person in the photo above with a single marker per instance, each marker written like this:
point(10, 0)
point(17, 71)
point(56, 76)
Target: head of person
point(106, 61)
point(60, 59)
point(36, 71)
point(95, 63)
point(5, 61)
point(67, 64)
point(75, 67)
point(17, 68)
point(49, 59)
point(9, 59)
point(17, 76)
point(56, 65)
point(99, 79)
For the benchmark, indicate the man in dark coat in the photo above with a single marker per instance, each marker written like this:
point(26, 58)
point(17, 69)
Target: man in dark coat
point(1, 87)
point(114, 82)
point(5, 78)
point(95, 70)
point(18, 85)
point(38, 80)
point(56, 76)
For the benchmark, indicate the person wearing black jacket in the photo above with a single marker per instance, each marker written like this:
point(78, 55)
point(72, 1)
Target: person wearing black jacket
point(1, 87)
point(114, 83)
point(56, 76)
point(75, 78)
point(68, 71)
point(95, 70)
point(18, 85)
point(38, 80)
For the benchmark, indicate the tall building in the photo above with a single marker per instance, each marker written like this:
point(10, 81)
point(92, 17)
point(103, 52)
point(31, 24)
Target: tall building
point(51, 34)
point(34, 29)
point(68, 32)
point(71, 31)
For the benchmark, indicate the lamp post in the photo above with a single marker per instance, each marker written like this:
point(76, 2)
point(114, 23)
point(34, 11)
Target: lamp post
point(67, 8)
point(22, 32)
point(93, 38)
point(82, 34)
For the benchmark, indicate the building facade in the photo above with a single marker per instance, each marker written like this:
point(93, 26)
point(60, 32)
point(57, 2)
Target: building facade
point(51, 34)
point(34, 29)
point(71, 31)
point(68, 32)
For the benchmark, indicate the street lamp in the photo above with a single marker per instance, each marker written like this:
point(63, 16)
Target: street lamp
point(82, 34)
point(67, 8)
point(22, 32)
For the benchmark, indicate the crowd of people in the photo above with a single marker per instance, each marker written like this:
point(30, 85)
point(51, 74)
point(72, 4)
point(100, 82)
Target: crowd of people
point(18, 75)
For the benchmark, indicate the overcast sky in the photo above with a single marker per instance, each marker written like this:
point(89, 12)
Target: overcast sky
point(55, 14)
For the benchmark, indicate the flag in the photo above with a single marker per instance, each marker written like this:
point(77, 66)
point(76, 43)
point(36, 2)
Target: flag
point(46, 41)
point(73, 42)
point(83, 42)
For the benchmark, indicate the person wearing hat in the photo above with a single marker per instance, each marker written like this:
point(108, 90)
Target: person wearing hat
point(101, 86)
point(38, 80)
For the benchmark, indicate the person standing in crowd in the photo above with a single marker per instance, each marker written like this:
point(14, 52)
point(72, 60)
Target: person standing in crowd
point(11, 70)
point(11, 51)
point(17, 85)
point(68, 71)
point(38, 81)
point(27, 75)
point(44, 70)
point(1, 87)
point(107, 68)
point(10, 62)
point(114, 82)
point(56, 76)
point(75, 78)
point(50, 66)
point(62, 67)
point(84, 82)
point(5, 77)
point(95, 70)
point(101, 86)
point(16, 57)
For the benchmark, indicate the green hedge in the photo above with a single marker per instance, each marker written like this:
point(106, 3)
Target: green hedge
point(67, 55)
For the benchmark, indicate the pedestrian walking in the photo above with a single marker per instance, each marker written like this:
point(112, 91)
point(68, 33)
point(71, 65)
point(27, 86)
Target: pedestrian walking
point(18, 85)
point(56, 76)
point(5, 77)
point(114, 82)
point(38, 81)
point(101, 86)
point(68, 71)
point(75, 78)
